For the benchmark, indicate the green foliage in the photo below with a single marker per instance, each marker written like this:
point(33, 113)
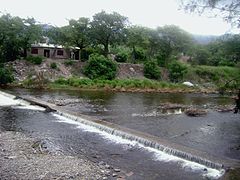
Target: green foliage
point(116, 84)
point(5, 76)
point(224, 62)
point(216, 74)
point(151, 70)
point(121, 57)
point(201, 56)
point(16, 36)
point(35, 59)
point(176, 39)
point(108, 29)
point(139, 54)
point(69, 62)
point(99, 67)
point(176, 71)
point(53, 65)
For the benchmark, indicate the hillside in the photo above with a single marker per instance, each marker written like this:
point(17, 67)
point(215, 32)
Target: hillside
point(24, 70)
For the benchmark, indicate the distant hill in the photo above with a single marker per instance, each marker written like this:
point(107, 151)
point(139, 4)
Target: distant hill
point(204, 39)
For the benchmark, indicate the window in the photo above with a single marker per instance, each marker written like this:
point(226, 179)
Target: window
point(34, 51)
point(60, 52)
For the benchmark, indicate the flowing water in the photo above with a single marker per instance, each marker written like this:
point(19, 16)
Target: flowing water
point(216, 133)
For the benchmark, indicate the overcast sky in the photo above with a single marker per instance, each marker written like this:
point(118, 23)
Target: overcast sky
point(150, 13)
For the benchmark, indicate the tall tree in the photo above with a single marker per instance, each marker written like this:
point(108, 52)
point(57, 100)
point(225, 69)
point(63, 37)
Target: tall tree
point(176, 39)
point(137, 38)
point(77, 33)
point(30, 33)
point(10, 37)
point(108, 29)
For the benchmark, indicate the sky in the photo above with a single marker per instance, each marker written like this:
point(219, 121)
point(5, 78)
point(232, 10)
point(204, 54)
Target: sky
point(149, 13)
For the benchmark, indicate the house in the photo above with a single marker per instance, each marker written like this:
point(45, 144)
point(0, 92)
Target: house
point(54, 51)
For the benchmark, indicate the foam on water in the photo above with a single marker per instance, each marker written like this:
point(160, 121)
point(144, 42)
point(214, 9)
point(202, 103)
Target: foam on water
point(30, 107)
point(157, 154)
point(10, 100)
point(156, 113)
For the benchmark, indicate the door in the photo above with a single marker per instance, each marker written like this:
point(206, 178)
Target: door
point(46, 53)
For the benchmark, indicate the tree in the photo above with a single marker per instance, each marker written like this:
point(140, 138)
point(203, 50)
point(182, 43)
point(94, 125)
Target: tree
point(176, 38)
point(108, 29)
point(137, 38)
point(31, 32)
point(173, 40)
point(77, 33)
point(232, 48)
point(56, 35)
point(10, 37)
point(229, 10)
point(201, 56)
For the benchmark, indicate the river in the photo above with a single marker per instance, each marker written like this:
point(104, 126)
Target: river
point(216, 133)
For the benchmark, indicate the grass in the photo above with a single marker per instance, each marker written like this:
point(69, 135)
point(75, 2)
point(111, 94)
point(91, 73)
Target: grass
point(120, 85)
point(213, 73)
point(220, 76)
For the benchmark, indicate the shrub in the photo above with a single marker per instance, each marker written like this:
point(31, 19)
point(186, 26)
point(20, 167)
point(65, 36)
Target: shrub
point(139, 54)
point(5, 76)
point(69, 62)
point(35, 59)
point(53, 65)
point(99, 67)
point(176, 71)
point(151, 70)
point(121, 57)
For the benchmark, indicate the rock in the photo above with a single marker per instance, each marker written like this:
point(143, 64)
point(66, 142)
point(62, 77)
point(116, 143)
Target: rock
point(131, 69)
point(114, 175)
point(195, 112)
point(107, 166)
point(188, 84)
point(101, 163)
point(117, 170)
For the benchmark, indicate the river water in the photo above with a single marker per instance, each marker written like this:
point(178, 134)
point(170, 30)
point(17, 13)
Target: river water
point(216, 133)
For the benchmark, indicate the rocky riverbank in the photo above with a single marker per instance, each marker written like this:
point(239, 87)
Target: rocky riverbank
point(23, 157)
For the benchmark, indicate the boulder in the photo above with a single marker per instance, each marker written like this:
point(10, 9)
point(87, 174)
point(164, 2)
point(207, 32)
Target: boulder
point(195, 112)
point(188, 84)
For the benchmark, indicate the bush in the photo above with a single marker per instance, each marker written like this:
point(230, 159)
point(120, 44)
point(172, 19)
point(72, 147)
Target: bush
point(53, 65)
point(225, 62)
point(176, 71)
point(99, 67)
point(121, 57)
point(5, 76)
point(69, 62)
point(139, 54)
point(35, 59)
point(151, 70)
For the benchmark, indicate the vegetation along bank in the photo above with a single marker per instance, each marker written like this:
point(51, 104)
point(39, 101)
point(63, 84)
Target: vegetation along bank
point(109, 53)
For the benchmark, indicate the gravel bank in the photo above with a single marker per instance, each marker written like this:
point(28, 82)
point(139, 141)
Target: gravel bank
point(23, 157)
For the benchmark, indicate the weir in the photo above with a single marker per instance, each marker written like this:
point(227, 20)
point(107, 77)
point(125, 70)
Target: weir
point(144, 139)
